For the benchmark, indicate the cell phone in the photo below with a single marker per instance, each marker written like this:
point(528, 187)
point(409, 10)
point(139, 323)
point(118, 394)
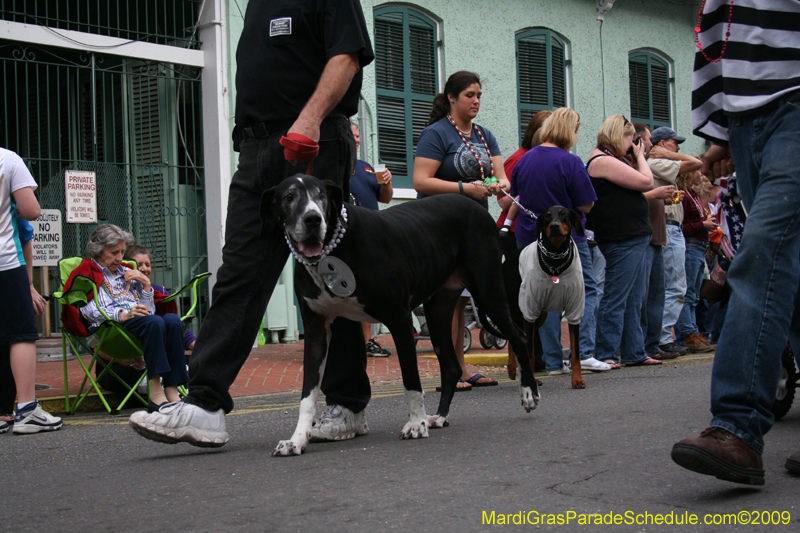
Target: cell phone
point(636, 141)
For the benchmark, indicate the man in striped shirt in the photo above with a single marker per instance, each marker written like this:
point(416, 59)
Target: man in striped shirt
point(746, 99)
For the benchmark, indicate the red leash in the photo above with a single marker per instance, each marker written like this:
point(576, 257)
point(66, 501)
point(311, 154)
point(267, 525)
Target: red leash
point(298, 147)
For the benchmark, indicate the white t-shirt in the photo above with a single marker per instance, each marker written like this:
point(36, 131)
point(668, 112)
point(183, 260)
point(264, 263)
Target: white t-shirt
point(14, 175)
point(538, 292)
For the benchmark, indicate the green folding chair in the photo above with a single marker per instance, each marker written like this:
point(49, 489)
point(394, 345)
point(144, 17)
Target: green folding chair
point(112, 338)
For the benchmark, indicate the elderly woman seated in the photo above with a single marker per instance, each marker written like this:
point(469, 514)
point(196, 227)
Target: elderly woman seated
point(127, 296)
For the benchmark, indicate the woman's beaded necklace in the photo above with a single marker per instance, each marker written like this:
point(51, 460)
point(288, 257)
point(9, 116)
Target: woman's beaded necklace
point(116, 296)
point(484, 179)
point(125, 291)
point(727, 33)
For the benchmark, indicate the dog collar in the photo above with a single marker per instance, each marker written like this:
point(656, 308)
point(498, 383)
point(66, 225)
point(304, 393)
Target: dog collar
point(545, 254)
point(338, 233)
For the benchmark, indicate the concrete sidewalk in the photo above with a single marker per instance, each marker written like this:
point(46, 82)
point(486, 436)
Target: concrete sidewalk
point(269, 369)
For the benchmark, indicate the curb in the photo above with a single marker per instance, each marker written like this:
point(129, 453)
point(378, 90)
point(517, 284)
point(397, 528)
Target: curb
point(481, 359)
point(57, 404)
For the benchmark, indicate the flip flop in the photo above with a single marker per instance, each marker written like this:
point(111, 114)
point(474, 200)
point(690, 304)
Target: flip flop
point(475, 381)
point(649, 361)
point(612, 364)
point(458, 389)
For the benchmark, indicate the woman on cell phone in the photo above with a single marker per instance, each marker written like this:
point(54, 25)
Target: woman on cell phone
point(621, 224)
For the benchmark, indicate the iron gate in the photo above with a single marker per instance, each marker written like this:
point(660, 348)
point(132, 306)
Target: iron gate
point(136, 124)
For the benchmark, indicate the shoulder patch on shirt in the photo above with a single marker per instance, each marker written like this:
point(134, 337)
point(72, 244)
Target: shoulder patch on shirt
point(281, 26)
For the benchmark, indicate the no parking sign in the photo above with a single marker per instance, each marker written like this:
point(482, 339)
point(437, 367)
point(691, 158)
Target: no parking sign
point(47, 238)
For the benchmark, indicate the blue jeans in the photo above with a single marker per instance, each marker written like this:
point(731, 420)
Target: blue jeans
point(600, 281)
point(162, 344)
point(550, 332)
point(695, 259)
point(653, 305)
point(764, 275)
point(619, 324)
point(674, 280)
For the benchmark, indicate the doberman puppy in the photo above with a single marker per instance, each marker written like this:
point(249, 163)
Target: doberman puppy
point(377, 266)
point(552, 280)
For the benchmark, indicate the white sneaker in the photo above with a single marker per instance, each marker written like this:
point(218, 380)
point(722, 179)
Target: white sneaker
point(182, 422)
point(566, 368)
point(595, 365)
point(33, 419)
point(338, 423)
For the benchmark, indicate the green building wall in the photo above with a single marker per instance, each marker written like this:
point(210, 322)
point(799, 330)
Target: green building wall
point(480, 36)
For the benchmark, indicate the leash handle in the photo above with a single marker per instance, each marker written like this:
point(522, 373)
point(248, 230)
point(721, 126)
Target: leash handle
point(297, 147)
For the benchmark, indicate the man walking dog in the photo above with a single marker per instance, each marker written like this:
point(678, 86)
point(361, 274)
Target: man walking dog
point(296, 81)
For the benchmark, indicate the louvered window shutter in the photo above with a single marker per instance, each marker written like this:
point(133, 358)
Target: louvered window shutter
point(541, 74)
point(649, 89)
point(406, 77)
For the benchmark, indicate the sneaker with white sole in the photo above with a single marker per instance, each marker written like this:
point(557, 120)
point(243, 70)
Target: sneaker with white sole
point(4, 426)
point(595, 365)
point(338, 423)
point(376, 350)
point(33, 419)
point(566, 368)
point(182, 422)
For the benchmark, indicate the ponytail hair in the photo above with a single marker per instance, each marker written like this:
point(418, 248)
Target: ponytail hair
point(456, 83)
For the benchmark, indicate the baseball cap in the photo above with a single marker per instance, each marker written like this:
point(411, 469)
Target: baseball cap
point(663, 133)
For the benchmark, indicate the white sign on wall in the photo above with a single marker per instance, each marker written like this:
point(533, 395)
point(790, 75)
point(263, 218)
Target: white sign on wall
point(81, 194)
point(46, 240)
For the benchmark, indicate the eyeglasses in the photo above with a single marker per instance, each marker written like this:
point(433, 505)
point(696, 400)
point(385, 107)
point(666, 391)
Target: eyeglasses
point(578, 125)
point(626, 121)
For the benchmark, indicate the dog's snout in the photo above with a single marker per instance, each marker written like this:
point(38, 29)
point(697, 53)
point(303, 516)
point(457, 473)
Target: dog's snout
point(312, 220)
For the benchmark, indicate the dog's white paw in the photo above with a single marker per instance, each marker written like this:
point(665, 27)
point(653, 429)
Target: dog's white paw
point(415, 430)
point(436, 421)
point(286, 448)
point(529, 400)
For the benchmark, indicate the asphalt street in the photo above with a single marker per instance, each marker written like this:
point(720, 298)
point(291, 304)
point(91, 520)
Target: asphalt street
point(603, 450)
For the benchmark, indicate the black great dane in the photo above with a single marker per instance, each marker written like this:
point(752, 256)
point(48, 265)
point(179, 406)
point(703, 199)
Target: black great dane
point(376, 266)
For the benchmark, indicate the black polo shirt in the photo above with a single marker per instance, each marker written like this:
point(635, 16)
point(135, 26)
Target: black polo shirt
point(283, 50)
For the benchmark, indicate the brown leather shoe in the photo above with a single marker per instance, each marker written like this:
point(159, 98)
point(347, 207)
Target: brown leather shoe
point(696, 343)
point(793, 463)
point(661, 355)
point(721, 454)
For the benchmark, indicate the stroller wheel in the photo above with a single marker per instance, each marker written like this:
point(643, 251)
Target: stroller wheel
point(487, 339)
point(787, 385)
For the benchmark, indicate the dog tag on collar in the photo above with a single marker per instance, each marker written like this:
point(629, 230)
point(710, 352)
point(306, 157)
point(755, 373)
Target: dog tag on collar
point(555, 279)
point(337, 276)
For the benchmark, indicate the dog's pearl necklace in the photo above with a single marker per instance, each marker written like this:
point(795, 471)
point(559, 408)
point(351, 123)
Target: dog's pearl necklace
point(338, 234)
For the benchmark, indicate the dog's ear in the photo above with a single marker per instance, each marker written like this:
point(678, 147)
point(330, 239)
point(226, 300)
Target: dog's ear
point(269, 214)
point(575, 220)
point(335, 198)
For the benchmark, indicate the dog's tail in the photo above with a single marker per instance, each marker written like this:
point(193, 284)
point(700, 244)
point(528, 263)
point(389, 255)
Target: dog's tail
point(511, 281)
point(488, 326)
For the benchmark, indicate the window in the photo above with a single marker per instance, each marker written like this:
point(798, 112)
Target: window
point(541, 73)
point(406, 66)
point(650, 87)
